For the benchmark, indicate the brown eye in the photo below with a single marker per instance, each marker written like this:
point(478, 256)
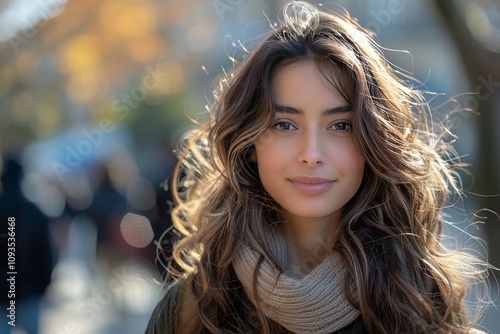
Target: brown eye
point(284, 126)
point(342, 126)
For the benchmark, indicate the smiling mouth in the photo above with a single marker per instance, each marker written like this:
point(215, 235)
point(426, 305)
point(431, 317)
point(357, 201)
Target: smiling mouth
point(312, 186)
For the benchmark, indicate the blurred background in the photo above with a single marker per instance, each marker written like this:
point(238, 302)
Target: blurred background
point(95, 94)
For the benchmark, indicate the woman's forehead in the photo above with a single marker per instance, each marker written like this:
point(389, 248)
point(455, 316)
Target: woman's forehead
point(329, 73)
point(300, 87)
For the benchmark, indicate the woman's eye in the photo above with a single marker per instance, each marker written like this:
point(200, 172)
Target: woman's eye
point(284, 126)
point(342, 126)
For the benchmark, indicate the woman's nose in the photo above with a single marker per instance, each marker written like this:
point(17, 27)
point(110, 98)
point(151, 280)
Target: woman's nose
point(312, 152)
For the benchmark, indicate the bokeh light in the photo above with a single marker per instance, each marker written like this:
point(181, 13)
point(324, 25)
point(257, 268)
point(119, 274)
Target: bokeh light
point(136, 230)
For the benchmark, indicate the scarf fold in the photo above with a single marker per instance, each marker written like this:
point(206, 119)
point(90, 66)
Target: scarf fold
point(310, 304)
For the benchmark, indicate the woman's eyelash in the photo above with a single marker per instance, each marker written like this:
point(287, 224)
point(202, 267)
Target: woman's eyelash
point(283, 125)
point(342, 126)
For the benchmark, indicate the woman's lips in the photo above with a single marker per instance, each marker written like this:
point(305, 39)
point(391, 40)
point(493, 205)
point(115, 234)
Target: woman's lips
point(311, 185)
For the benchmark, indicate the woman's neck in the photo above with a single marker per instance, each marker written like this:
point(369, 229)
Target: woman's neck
point(308, 243)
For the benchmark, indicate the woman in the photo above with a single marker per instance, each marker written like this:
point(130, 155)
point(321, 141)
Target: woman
point(311, 199)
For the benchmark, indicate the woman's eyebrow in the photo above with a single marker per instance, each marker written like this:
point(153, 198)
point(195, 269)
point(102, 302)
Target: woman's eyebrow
point(336, 110)
point(298, 111)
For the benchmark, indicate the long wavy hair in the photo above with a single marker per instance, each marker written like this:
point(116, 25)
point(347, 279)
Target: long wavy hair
point(391, 230)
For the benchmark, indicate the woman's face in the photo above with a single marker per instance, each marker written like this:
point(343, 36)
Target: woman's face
point(307, 160)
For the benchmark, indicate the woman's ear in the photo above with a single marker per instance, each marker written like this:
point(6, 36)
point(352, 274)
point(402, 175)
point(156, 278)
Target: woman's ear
point(251, 161)
point(252, 155)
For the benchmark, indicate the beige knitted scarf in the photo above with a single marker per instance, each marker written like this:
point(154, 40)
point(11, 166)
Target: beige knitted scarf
point(310, 304)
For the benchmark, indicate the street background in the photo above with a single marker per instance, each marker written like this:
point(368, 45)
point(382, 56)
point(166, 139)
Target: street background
point(95, 94)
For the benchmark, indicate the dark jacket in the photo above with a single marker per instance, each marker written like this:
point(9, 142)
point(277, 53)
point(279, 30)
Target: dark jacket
point(163, 317)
